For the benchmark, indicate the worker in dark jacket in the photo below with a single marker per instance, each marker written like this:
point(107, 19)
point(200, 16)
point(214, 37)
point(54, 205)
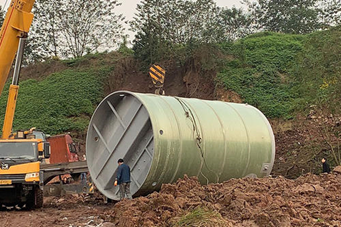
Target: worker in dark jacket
point(123, 179)
point(325, 166)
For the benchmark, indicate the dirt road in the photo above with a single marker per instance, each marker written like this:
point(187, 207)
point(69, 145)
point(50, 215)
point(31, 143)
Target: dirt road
point(71, 210)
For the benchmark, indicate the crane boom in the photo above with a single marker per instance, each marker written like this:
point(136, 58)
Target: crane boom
point(13, 93)
point(20, 181)
point(16, 25)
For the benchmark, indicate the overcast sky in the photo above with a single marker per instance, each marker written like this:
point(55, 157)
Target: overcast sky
point(128, 6)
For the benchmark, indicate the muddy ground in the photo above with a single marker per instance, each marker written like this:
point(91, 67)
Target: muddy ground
point(310, 200)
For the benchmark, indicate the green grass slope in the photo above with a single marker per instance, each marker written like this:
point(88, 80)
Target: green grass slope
point(259, 71)
point(284, 74)
point(317, 71)
point(63, 101)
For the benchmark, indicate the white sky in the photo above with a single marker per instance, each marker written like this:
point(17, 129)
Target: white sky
point(128, 7)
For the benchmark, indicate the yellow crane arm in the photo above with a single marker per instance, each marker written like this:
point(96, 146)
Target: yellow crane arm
point(13, 93)
point(10, 109)
point(16, 25)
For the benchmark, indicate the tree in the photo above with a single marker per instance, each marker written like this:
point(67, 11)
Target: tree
point(330, 12)
point(179, 21)
point(287, 16)
point(45, 29)
point(163, 25)
point(236, 23)
point(150, 32)
point(73, 28)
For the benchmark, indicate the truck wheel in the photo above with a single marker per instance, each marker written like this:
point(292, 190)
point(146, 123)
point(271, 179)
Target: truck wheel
point(36, 199)
point(39, 198)
point(30, 203)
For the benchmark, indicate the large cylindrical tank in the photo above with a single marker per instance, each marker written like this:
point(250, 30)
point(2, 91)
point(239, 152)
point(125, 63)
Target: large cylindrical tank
point(162, 138)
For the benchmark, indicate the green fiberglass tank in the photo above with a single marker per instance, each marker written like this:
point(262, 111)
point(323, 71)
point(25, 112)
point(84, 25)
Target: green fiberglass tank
point(162, 138)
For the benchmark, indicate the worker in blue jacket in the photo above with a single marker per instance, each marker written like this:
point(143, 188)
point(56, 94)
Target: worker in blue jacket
point(123, 179)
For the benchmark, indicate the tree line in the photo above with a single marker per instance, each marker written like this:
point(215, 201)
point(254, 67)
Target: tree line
point(73, 28)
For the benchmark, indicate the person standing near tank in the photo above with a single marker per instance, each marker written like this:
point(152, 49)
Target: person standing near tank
point(123, 179)
point(325, 166)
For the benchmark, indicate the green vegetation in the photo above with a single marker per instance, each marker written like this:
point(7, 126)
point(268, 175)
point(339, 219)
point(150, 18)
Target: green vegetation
point(317, 71)
point(283, 74)
point(202, 217)
point(62, 102)
point(259, 71)
point(280, 74)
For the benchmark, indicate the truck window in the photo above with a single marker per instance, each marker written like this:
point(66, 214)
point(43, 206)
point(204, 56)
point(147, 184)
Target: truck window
point(39, 135)
point(22, 150)
point(72, 148)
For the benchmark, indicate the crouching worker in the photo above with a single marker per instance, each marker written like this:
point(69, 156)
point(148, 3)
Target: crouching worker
point(123, 180)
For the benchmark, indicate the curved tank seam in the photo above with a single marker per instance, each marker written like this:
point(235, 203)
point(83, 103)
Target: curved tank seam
point(247, 135)
point(273, 142)
point(202, 136)
point(224, 136)
point(180, 136)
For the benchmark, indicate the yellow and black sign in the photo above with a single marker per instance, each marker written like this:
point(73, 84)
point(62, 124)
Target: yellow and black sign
point(157, 73)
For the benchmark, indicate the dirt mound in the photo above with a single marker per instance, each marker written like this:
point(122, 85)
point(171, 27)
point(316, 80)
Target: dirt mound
point(310, 200)
point(307, 201)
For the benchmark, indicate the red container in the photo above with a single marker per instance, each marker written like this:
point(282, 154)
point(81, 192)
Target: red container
point(63, 149)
